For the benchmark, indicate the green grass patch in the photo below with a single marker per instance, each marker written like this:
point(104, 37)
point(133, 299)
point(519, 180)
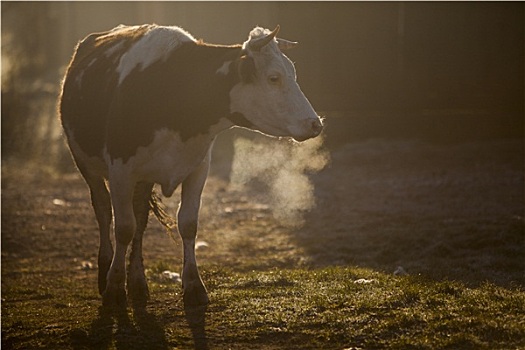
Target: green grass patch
point(329, 309)
point(277, 309)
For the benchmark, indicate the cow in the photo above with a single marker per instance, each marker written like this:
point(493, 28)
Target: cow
point(142, 105)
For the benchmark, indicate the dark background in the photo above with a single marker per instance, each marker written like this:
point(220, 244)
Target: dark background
point(435, 70)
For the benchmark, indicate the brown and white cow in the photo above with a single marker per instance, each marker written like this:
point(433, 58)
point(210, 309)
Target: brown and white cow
point(142, 105)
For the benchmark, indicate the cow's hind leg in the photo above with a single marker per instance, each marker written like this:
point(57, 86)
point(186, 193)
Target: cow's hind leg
point(194, 292)
point(122, 189)
point(137, 284)
point(101, 202)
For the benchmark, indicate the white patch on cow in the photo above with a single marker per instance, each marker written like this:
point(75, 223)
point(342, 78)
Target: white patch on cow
point(224, 69)
point(114, 49)
point(155, 45)
point(168, 160)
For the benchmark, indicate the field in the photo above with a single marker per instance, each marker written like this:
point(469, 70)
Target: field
point(410, 245)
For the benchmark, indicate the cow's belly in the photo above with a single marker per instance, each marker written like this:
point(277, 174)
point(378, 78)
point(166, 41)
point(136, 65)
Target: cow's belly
point(167, 160)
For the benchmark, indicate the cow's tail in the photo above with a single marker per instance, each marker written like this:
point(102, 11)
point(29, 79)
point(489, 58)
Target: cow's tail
point(158, 208)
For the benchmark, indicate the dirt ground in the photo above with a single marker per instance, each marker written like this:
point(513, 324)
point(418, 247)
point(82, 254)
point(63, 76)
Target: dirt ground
point(447, 211)
point(451, 211)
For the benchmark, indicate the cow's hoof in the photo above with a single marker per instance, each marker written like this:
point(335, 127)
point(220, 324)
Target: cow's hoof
point(114, 297)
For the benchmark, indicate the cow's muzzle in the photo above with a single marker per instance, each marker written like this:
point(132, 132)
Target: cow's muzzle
point(313, 127)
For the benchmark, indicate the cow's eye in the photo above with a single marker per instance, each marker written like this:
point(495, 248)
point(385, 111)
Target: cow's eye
point(274, 79)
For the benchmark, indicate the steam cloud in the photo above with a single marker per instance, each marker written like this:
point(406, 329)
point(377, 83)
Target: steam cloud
point(283, 167)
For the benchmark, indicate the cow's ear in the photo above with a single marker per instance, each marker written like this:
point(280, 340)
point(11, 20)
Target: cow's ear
point(286, 44)
point(247, 70)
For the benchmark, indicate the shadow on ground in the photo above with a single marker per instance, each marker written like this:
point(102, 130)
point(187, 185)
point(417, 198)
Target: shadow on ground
point(142, 330)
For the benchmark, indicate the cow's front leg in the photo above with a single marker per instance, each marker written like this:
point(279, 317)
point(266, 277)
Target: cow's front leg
point(194, 292)
point(125, 226)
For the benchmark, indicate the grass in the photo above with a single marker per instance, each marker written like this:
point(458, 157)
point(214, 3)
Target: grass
point(276, 309)
point(327, 309)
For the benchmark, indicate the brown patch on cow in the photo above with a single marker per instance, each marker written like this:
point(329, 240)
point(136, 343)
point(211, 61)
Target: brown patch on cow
point(183, 93)
point(247, 70)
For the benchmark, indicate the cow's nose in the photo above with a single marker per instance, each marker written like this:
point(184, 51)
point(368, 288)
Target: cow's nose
point(317, 126)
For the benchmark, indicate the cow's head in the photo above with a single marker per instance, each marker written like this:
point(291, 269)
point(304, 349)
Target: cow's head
point(268, 95)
